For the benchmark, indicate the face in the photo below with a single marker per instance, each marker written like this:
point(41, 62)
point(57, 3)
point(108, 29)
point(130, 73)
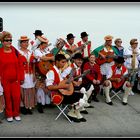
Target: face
point(61, 63)
point(71, 41)
point(119, 43)
point(78, 62)
point(24, 44)
point(92, 59)
point(85, 39)
point(134, 45)
point(108, 43)
point(44, 45)
point(48, 65)
point(118, 65)
point(7, 42)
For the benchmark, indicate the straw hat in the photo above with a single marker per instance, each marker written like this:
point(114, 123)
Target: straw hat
point(23, 38)
point(108, 37)
point(43, 39)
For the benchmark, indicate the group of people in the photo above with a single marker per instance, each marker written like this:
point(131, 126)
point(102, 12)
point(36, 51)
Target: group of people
point(70, 73)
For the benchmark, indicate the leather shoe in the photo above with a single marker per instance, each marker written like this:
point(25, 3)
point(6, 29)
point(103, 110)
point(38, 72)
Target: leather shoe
point(83, 120)
point(124, 103)
point(74, 119)
point(110, 103)
point(90, 106)
point(95, 99)
point(84, 112)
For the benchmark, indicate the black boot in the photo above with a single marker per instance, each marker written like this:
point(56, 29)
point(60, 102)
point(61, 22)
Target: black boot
point(23, 110)
point(40, 108)
point(95, 99)
point(29, 111)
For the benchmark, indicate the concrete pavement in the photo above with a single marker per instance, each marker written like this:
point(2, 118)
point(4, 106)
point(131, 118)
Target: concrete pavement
point(102, 121)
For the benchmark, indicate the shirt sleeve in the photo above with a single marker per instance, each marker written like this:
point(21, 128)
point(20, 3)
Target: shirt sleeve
point(66, 72)
point(35, 44)
point(109, 74)
point(49, 78)
point(126, 72)
point(37, 55)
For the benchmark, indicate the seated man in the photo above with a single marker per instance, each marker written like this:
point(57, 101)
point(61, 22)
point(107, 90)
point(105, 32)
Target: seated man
point(87, 91)
point(94, 77)
point(55, 83)
point(117, 79)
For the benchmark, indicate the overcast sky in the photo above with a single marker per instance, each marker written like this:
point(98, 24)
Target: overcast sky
point(58, 19)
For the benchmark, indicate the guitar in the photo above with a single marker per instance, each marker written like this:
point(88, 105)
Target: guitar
point(129, 76)
point(109, 57)
point(77, 50)
point(100, 60)
point(57, 97)
point(42, 65)
point(70, 90)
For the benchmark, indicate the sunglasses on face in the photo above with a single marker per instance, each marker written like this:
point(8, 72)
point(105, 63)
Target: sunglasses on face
point(8, 40)
point(119, 41)
point(135, 43)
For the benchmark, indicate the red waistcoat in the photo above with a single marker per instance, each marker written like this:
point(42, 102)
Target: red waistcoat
point(28, 66)
point(88, 47)
point(114, 75)
point(56, 96)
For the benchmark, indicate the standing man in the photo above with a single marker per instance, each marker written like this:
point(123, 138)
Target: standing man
point(101, 54)
point(70, 46)
point(87, 50)
point(38, 39)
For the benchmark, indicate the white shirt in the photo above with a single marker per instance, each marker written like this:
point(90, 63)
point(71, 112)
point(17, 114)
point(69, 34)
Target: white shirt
point(38, 53)
point(85, 50)
point(35, 44)
point(68, 70)
point(128, 61)
point(118, 71)
point(50, 76)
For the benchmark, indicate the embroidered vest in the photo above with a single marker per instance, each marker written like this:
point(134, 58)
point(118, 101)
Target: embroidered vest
point(56, 96)
point(114, 75)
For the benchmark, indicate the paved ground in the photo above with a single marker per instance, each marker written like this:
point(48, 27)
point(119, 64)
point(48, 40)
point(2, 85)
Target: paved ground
point(102, 121)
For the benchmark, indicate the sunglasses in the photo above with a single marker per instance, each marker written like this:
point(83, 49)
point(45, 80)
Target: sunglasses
point(135, 43)
point(119, 41)
point(8, 40)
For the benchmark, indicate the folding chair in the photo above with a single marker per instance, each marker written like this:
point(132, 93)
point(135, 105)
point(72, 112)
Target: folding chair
point(63, 108)
point(116, 93)
point(56, 100)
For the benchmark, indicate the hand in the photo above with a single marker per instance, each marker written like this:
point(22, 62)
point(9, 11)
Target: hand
point(76, 83)
point(94, 82)
point(117, 80)
point(63, 85)
point(34, 78)
point(103, 56)
point(21, 82)
point(98, 82)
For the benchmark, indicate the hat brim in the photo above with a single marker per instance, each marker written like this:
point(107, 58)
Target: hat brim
point(84, 36)
point(24, 39)
point(38, 34)
point(70, 37)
